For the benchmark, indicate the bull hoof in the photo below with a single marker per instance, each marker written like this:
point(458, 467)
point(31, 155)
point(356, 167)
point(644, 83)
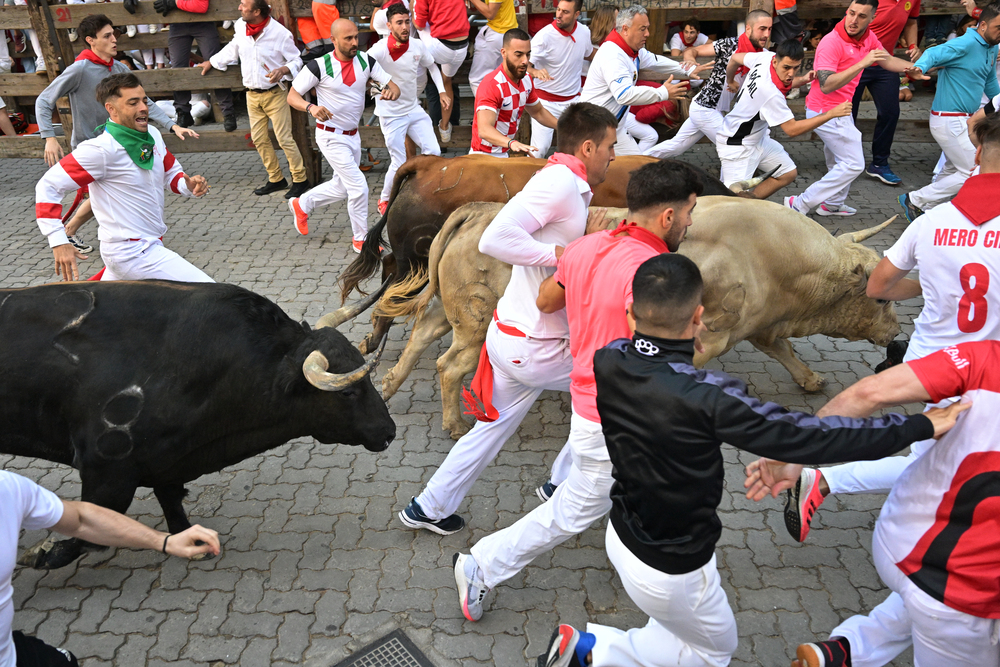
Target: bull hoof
point(389, 386)
point(365, 344)
point(457, 430)
point(50, 555)
point(814, 384)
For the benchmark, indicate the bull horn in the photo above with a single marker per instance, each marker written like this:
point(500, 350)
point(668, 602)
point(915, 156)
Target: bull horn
point(350, 311)
point(858, 237)
point(315, 365)
point(751, 183)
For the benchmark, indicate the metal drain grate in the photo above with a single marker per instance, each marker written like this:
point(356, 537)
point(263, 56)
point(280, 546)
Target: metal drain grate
point(393, 650)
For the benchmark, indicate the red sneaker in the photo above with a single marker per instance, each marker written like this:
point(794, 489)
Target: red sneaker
point(803, 500)
point(383, 206)
point(301, 220)
point(356, 244)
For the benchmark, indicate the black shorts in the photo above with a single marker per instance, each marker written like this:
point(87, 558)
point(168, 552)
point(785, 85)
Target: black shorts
point(33, 652)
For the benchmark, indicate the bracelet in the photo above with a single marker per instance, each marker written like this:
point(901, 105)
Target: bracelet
point(509, 143)
point(976, 13)
point(309, 106)
point(911, 46)
point(165, 542)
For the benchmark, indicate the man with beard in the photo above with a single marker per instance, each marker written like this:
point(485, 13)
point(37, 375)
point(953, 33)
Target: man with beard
point(126, 168)
point(558, 52)
point(842, 55)
point(340, 79)
point(503, 96)
point(966, 69)
point(593, 282)
point(404, 59)
point(713, 101)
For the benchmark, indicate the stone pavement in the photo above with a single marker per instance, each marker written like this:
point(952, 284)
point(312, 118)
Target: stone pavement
point(315, 563)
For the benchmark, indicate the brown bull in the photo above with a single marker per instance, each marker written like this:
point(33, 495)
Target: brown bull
point(427, 189)
point(770, 274)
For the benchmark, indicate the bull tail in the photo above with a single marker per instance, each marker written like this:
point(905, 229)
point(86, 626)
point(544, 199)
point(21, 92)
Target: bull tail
point(400, 300)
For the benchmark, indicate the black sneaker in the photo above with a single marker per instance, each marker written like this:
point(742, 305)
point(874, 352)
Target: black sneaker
point(230, 123)
point(271, 187)
point(297, 189)
point(80, 245)
point(414, 517)
point(545, 491)
point(184, 118)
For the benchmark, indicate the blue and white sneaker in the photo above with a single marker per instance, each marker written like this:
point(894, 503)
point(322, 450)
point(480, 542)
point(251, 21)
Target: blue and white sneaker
point(843, 209)
point(546, 491)
point(910, 209)
point(471, 588)
point(884, 174)
point(568, 647)
point(413, 517)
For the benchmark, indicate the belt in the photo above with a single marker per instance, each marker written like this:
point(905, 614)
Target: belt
point(261, 90)
point(949, 114)
point(349, 133)
point(455, 44)
point(161, 239)
point(551, 97)
point(507, 329)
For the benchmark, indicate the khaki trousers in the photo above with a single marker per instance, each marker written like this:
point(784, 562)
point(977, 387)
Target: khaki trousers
point(272, 105)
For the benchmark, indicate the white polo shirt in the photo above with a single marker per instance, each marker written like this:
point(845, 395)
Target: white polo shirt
point(273, 48)
point(550, 211)
point(404, 71)
point(758, 105)
point(345, 101)
point(562, 57)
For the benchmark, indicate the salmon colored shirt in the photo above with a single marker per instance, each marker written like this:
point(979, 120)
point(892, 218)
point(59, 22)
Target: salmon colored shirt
point(835, 54)
point(597, 271)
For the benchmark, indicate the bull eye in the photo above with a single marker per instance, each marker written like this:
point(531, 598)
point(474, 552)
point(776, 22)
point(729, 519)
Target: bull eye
point(350, 392)
point(881, 302)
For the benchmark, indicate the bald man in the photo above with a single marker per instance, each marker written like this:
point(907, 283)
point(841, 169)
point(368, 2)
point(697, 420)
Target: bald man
point(340, 79)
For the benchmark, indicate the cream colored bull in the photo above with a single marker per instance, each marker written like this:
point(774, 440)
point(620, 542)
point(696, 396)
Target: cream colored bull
point(770, 274)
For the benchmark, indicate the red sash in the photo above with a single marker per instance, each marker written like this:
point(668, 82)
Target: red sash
point(478, 398)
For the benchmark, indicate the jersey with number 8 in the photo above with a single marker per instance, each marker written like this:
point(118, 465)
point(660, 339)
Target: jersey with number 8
point(959, 265)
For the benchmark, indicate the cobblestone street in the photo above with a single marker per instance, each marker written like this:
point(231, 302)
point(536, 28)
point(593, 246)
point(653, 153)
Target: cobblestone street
point(315, 563)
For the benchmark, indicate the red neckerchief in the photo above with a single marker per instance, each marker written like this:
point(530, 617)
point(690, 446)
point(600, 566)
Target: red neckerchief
point(977, 200)
point(397, 49)
point(563, 32)
point(641, 234)
point(254, 30)
point(615, 37)
point(346, 70)
point(744, 45)
point(574, 163)
point(87, 54)
point(856, 41)
point(778, 82)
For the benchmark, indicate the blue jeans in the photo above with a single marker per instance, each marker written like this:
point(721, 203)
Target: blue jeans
point(884, 87)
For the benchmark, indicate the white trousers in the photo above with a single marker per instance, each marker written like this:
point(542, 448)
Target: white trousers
point(418, 126)
point(690, 621)
point(845, 160)
point(952, 134)
point(486, 57)
point(701, 122)
point(150, 57)
point(941, 636)
point(448, 59)
point(344, 155)
point(645, 135)
point(741, 162)
point(522, 369)
point(142, 260)
point(579, 501)
point(541, 136)
point(625, 143)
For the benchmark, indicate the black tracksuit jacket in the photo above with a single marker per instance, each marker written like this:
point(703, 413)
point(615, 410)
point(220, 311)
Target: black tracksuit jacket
point(664, 421)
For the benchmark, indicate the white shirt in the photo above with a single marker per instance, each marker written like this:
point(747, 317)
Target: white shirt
point(562, 57)
point(550, 211)
point(613, 74)
point(273, 48)
point(127, 200)
point(405, 71)
point(24, 505)
point(677, 41)
point(345, 103)
point(758, 105)
point(951, 254)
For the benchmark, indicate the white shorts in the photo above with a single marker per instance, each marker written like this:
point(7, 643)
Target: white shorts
point(147, 260)
point(741, 162)
point(449, 59)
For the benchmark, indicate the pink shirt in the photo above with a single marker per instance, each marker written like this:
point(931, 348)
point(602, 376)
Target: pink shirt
point(836, 55)
point(596, 271)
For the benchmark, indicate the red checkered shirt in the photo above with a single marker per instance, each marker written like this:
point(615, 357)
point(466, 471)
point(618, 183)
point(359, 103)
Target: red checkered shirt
point(508, 99)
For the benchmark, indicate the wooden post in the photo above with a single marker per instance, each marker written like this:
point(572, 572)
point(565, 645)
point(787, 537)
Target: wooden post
point(656, 41)
point(766, 5)
point(41, 28)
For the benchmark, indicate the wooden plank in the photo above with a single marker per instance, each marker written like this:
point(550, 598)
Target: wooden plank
point(149, 41)
point(69, 16)
point(14, 17)
point(721, 10)
point(156, 81)
point(27, 147)
point(812, 9)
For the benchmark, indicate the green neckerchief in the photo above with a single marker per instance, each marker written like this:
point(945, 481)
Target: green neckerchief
point(138, 145)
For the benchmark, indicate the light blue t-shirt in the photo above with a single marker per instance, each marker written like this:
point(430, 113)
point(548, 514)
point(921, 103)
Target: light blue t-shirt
point(968, 70)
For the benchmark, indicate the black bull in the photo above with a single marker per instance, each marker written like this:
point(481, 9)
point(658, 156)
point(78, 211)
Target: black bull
point(155, 383)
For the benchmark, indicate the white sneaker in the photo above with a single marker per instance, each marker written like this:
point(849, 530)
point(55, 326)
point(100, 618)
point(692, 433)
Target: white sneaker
point(790, 203)
point(131, 30)
point(471, 589)
point(843, 209)
point(445, 134)
point(153, 28)
point(227, 24)
point(72, 35)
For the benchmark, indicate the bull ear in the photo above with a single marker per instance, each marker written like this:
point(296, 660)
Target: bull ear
point(859, 280)
point(305, 325)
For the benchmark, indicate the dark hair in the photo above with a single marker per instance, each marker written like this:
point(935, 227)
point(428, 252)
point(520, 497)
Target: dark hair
point(91, 25)
point(577, 4)
point(666, 290)
point(395, 9)
point(757, 15)
point(791, 49)
point(580, 122)
point(112, 85)
point(262, 7)
point(988, 131)
point(661, 183)
point(694, 23)
point(870, 3)
point(990, 12)
point(514, 33)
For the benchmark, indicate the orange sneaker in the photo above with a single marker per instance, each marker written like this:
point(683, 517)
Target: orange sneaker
point(301, 220)
point(356, 244)
point(383, 206)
